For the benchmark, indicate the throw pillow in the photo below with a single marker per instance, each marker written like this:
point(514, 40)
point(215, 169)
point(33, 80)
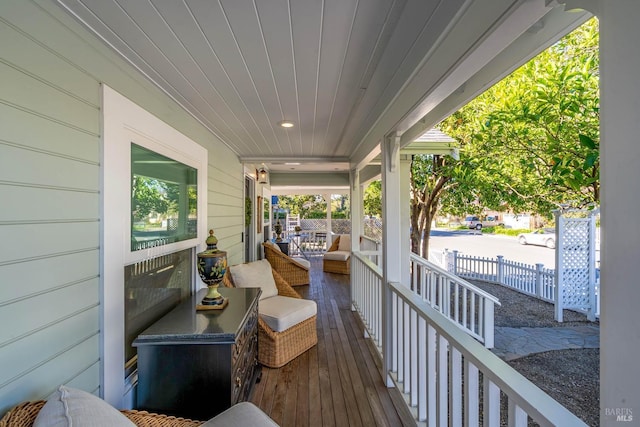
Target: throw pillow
point(344, 244)
point(70, 407)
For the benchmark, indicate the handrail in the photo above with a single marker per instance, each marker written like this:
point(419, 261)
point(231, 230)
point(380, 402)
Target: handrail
point(446, 391)
point(370, 240)
point(362, 256)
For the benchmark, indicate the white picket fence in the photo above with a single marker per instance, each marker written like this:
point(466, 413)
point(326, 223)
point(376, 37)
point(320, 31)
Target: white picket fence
point(534, 280)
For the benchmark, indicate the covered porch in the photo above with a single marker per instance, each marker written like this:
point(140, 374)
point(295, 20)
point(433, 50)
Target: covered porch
point(362, 80)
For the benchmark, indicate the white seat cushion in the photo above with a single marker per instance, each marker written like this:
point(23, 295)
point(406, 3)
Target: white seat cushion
point(337, 255)
point(255, 274)
point(302, 262)
point(344, 244)
point(281, 313)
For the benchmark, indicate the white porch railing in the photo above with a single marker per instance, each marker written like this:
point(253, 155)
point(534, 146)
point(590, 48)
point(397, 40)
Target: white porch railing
point(366, 283)
point(466, 305)
point(449, 379)
point(372, 247)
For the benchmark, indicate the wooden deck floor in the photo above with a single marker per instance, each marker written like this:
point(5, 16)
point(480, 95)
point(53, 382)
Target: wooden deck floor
point(337, 382)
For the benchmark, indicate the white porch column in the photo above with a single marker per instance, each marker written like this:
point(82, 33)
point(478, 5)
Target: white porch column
point(357, 208)
point(355, 198)
point(620, 205)
point(391, 240)
point(327, 199)
point(405, 218)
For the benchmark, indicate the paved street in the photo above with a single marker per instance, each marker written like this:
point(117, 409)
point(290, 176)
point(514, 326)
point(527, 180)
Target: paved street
point(487, 245)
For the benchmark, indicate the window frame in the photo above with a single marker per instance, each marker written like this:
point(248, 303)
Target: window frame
point(125, 122)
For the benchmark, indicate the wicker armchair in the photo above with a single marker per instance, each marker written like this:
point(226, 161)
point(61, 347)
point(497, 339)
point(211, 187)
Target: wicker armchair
point(335, 260)
point(276, 349)
point(25, 414)
point(293, 272)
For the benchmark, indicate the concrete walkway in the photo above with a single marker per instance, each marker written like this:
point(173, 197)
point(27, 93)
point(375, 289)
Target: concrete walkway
point(513, 343)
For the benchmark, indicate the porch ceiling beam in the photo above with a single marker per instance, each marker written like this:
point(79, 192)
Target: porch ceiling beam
point(302, 191)
point(422, 94)
point(547, 31)
point(513, 24)
point(309, 182)
point(370, 173)
point(302, 160)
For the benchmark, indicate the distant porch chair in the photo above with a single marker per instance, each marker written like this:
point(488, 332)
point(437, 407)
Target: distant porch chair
point(337, 259)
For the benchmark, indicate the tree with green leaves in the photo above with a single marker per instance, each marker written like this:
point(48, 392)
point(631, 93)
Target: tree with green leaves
point(372, 199)
point(535, 134)
point(149, 195)
point(529, 143)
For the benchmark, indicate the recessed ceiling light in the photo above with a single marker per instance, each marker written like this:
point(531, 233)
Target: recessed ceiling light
point(286, 124)
point(292, 163)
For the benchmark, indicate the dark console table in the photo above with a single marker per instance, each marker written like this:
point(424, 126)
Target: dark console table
point(283, 245)
point(197, 364)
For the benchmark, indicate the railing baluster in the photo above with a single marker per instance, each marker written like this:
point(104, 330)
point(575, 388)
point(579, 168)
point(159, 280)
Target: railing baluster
point(432, 375)
point(472, 313)
point(517, 417)
point(406, 364)
point(422, 369)
point(464, 307)
point(471, 395)
point(455, 387)
point(413, 333)
point(456, 303)
point(443, 381)
point(400, 340)
point(491, 404)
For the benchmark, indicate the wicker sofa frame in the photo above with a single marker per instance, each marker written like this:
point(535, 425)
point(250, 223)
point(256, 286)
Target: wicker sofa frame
point(335, 266)
point(276, 349)
point(292, 272)
point(24, 414)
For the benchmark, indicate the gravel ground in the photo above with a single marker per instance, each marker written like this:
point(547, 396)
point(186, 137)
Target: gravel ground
point(569, 376)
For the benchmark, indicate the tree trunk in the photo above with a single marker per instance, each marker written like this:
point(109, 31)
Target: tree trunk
point(424, 206)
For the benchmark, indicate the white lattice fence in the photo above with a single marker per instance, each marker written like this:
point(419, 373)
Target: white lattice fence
point(575, 263)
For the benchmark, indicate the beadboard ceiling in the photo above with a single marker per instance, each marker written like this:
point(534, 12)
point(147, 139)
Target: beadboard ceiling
point(346, 72)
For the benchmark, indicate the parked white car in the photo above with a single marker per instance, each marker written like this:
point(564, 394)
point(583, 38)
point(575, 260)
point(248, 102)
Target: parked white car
point(541, 237)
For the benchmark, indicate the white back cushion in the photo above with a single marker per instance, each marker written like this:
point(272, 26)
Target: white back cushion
point(255, 274)
point(345, 242)
point(273, 246)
